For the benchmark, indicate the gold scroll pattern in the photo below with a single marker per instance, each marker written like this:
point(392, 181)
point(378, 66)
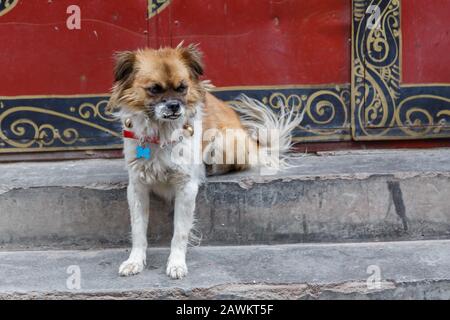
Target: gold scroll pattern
point(32, 133)
point(382, 108)
point(325, 110)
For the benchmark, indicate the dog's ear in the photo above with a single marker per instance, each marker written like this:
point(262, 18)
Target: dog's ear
point(124, 65)
point(123, 75)
point(192, 56)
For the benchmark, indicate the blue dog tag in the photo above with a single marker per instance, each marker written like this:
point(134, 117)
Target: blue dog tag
point(143, 152)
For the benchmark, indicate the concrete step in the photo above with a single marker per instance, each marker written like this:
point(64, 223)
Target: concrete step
point(343, 196)
point(384, 270)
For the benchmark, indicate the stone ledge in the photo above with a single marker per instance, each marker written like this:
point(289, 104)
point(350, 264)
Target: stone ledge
point(408, 270)
point(361, 196)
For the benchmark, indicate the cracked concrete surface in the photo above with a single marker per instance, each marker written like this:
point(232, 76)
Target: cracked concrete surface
point(405, 270)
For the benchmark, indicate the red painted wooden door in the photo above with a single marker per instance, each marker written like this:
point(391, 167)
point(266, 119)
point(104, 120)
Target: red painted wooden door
point(318, 56)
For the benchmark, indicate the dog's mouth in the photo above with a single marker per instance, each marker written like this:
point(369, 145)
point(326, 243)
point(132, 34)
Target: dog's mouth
point(171, 116)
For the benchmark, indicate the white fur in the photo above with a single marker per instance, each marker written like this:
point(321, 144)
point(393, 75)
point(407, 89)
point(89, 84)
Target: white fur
point(168, 179)
point(260, 120)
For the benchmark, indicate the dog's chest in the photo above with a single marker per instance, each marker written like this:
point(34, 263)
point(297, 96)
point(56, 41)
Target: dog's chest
point(161, 166)
point(175, 158)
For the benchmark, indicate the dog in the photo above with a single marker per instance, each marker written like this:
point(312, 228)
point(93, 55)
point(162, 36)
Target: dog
point(167, 110)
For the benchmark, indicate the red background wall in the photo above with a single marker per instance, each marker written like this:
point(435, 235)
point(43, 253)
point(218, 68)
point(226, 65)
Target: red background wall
point(426, 49)
point(40, 56)
point(246, 42)
point(254, 42)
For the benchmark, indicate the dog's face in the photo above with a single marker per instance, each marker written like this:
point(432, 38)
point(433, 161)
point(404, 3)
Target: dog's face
point(162, 84)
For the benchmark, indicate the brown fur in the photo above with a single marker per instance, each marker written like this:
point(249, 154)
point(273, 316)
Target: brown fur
point(166, 67)
point(219, 116)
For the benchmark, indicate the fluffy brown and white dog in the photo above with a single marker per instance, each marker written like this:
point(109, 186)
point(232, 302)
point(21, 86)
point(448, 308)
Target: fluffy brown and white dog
point(174, 133)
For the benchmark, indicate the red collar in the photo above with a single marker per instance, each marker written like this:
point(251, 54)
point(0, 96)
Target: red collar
point(131, 135)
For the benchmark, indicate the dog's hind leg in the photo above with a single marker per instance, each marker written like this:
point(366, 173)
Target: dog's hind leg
point(138, 200)
point(185, 197)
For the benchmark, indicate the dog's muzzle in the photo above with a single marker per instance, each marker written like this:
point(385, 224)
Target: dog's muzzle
point(172, 110)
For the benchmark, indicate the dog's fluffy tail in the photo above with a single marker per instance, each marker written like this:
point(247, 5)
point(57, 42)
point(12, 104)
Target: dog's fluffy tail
point(256, 117)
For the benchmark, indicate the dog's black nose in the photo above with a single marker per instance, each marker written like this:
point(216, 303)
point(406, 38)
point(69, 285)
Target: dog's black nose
point(173, 106)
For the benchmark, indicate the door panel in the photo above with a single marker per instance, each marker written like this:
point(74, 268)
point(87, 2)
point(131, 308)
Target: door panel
point(384, 107)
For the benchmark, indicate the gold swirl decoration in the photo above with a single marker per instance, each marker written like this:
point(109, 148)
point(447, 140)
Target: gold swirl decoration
point(382, 108)
point(99, 110)
point(424, 121)
point(44, 135)
point(7, 5)
point(156, 6)
point(325, 111)
point(30, 134)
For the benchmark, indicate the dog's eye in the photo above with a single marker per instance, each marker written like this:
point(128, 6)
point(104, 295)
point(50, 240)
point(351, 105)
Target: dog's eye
point(181, 88)
point(156, 89)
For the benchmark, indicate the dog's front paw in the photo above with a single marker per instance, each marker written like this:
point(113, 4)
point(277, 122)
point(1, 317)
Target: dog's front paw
point(176, 269)
point(131, 267)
